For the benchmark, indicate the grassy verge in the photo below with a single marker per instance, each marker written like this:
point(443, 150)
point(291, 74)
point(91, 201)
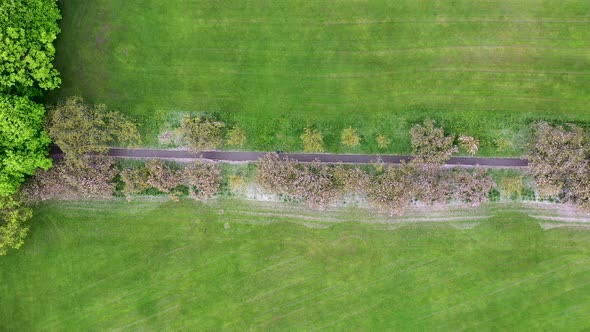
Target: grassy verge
point(480, 68)
point(166, 265)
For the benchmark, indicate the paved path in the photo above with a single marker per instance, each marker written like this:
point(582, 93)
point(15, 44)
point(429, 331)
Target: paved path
point(303, 157)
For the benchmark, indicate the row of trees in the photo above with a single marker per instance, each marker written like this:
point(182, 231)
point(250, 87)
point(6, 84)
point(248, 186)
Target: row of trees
point(205, 132)
point(84, 133)
point(391, 188)
point(313, 140)
point(27, 31)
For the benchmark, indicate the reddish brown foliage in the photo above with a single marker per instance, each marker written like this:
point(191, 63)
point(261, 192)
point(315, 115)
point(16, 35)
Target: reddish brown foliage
point(471, 186)
point(203, 179)
point(162, 176)
point(313, 183)
point(64, 181)
point(394, 189)
point(558, 160)
point(430, 145)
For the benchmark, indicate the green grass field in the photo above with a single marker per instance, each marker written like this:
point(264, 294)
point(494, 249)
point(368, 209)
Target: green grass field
point(481, 68)
point(174, 266)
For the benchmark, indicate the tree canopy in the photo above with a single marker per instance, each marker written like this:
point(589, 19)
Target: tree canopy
point(27, 31)
point(81, 130)
point(23, 142)
point(430, 145)
point(559, 163)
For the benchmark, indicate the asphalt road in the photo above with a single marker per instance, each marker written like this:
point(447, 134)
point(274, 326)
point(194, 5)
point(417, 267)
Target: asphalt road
point(303, 157)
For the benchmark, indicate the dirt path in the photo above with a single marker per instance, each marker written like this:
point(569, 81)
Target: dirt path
point(237, 156)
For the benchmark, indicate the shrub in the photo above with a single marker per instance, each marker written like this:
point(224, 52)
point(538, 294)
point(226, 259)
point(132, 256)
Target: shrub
point(162, 176)
point(236, 137)
point(469, 144)
point(135, 181)
point(14, 218)
point(382, 141)
point(349, 137)
point(471, 187)
point(313, 140)
point(315, 185)
point(236, 182)
point(503, 144)
point(511, 186)
point(203, 179)
point(202, 133)
point(276, 174)
point(432, 185)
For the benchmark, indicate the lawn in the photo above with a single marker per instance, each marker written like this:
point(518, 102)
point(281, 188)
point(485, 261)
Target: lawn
point(174, 266)
point(478, 67)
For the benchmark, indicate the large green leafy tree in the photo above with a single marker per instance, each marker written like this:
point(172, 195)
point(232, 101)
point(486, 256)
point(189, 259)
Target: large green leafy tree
point(27, 31)
point(23, 142)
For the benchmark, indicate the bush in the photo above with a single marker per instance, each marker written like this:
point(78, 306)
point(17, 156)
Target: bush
point(163, 177)
point(315, 185)
point(203, 179)
point(511, 186)
point(135, 181)
point(382, 141)
point(313, 140)
point(352, 179)
point(433, 185)
point(469, 144)
point(202, 132)
point(14, 217)
point(471, 187)
point(236, 137)
point(349, 137)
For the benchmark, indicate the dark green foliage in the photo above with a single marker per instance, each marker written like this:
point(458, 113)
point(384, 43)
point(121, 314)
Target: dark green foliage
point(27, 31)
point(23, 142)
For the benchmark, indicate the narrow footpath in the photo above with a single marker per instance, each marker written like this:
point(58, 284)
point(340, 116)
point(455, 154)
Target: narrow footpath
point(240, 156)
